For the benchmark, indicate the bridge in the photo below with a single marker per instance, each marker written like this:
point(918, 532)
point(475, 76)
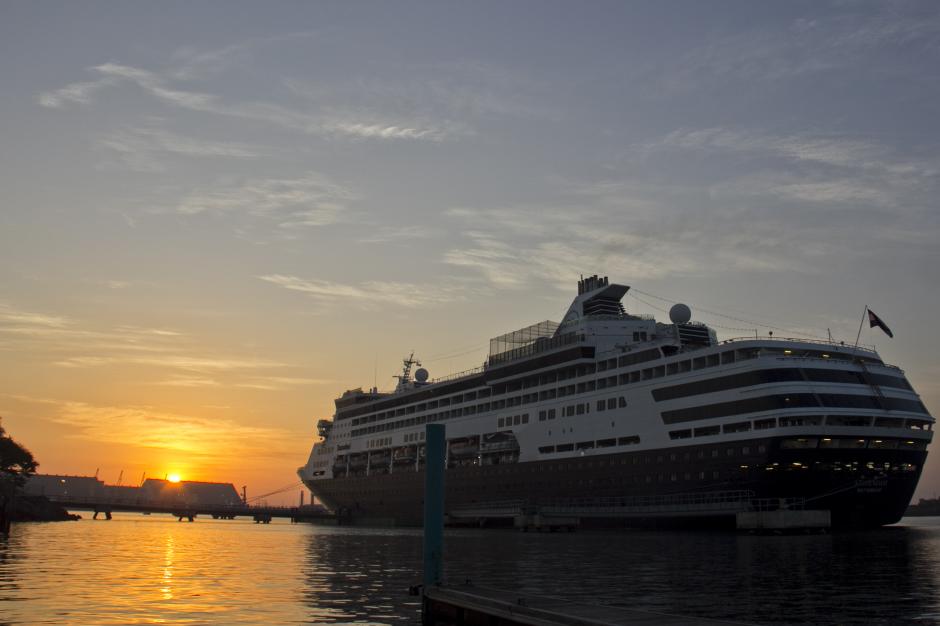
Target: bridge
point(190, 510)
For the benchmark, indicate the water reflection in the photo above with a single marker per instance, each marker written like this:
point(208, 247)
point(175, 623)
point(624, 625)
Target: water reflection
point(362, 575)
point(145, 570)
point(167, 589)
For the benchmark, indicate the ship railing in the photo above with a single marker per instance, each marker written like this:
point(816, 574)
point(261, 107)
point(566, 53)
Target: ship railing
point(735, 497)
point(698, 498)
point(536, 347)
point(823, 342)
point(463, 374)
point(778, 504)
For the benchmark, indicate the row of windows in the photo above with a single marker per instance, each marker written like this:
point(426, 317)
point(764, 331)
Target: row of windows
point(791, 401)
point(584, 369)
point(379, 443)
point(760, 377)
point(418, 436)
point(589, 445)
point(836, 442)
point(748, 378)
point(514, 420)
point(863, 421)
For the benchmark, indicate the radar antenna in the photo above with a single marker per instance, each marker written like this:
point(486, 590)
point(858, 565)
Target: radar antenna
point(404, 379)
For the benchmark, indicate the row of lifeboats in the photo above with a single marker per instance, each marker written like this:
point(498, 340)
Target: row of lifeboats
point(459, 451)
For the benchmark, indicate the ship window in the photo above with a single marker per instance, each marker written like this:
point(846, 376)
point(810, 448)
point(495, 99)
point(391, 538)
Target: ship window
point(738, 427)
point(585, 445)
point(525, 418)
point(551, 414)
point(606, 443)
point(628, 441)
point(727, 357)
point(848, 420)
point(680, 434)
point(801, 420)
point(600, 405)
point(546, 449)
point(622, 402)
point(516, 420)
point(542, 416)
point(500, 423)
point(707, 431)
point(565, 447)
point(580, 409)
point(807, 442)
point(569, 411)
point(765, 423)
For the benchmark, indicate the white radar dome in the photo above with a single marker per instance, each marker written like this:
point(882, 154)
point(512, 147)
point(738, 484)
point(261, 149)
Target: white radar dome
point(680, 314)
point(421, 375)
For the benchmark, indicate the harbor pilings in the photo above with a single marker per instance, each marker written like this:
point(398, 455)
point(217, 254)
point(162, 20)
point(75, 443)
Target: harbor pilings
point(435, 448)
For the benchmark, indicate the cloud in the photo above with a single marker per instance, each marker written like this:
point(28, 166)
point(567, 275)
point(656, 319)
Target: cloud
point(832, 151)
point(206, 441)
point(74, 93)
point(369, 294)
point(139, 149)
point(398, 233)
point(172, 361)
point(30, 320)
point(843, 40)
point(308, 201)
point(155, 84)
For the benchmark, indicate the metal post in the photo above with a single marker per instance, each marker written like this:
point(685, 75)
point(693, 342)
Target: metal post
point(435, 445)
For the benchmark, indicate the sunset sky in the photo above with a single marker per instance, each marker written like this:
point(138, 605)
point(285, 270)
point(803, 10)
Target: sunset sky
point(217, 216)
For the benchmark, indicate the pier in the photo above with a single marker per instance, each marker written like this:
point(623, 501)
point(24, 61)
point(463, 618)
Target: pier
point(188, 511)
point(467, 604)
point(736, 509)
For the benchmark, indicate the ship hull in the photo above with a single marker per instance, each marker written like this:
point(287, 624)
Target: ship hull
point(860, 487)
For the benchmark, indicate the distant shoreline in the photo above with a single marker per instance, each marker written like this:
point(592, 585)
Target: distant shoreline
point(39, 509)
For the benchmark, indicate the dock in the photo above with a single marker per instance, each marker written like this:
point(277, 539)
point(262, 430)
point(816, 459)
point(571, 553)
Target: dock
point(471, 605)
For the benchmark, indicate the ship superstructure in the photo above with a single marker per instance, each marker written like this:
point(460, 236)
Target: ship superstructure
point(661, 417)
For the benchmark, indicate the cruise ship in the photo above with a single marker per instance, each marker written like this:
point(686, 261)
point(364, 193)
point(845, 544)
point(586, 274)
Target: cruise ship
point(623, 420)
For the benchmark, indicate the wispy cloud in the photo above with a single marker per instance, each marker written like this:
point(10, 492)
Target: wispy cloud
point(209, 441)
point(158, 86)
point(74, 93)
point(311, 200)
point(29, 319)
point(832, 151)
point(805, 47)
point(389, 234)
point(369, 294)
point(140, 149)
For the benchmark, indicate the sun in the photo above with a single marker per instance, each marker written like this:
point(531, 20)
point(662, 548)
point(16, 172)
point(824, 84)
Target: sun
point(173, 478)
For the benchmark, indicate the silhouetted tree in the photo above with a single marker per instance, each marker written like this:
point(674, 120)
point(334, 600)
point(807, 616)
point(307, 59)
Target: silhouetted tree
point(16, 462)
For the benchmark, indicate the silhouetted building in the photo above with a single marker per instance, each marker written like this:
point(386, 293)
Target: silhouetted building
point(64, 486)
point(190, 492)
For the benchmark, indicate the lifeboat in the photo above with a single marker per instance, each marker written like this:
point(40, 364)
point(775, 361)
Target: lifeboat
point(405, 455)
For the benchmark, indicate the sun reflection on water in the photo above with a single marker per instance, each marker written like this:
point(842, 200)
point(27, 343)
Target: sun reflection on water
point(168, 554)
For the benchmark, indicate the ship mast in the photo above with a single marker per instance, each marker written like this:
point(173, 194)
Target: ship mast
point(404, 379)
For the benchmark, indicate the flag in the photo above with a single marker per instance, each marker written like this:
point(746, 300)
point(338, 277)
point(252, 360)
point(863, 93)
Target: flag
point(874, 320)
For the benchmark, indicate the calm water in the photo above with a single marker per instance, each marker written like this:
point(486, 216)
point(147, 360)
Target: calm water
point(136, 569)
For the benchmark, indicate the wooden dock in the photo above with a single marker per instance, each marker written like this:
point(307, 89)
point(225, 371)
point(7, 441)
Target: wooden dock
point(469, 605)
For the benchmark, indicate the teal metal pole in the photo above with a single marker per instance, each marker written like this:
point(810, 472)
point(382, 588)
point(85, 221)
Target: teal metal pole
point(435, 445)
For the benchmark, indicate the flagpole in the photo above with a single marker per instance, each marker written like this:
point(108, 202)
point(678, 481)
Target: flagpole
point(860, 324)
